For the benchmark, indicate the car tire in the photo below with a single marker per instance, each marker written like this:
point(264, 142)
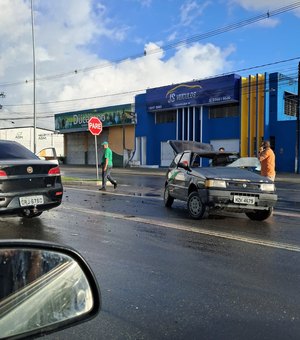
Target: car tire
point(259, 215)
point(31, 214)
point(168, 200)
point(195, 206)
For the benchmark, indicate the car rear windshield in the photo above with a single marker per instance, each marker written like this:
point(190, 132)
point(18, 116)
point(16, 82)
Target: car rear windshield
point(15, 151)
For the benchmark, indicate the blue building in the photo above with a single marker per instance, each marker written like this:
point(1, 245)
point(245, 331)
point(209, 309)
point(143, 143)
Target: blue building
point(281, 120)
point(230, 111)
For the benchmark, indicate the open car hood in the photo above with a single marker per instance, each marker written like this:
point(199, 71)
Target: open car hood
point(203, 149)
point(184, 145)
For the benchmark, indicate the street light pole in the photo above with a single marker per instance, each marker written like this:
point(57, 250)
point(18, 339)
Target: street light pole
point(34, 90)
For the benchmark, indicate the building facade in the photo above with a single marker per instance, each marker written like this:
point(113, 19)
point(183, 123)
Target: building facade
point(231, 111)
point(118, 129)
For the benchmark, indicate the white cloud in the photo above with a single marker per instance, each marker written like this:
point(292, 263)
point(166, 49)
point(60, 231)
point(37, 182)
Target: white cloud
point(64, 30)
point(269, 22)
point(145, 3)
point(262, 5)
point(191, 10)
point(189, 62)
point(172, 36)
point(14, 19)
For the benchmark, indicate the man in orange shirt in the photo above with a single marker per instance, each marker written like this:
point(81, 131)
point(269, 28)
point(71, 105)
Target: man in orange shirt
point(266, 157)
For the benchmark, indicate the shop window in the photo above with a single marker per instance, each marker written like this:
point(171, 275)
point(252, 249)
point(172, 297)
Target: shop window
point(290, 104)
point(165, 117)
point(224, 111)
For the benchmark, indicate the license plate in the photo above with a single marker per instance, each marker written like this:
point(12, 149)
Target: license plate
point(244, 200)
point(31, 200)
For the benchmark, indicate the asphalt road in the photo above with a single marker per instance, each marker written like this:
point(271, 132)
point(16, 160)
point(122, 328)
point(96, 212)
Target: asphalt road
point(150, 182)
point(164, 276)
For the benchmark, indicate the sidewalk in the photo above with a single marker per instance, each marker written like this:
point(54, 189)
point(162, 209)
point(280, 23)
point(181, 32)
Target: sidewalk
point(287, 177)
point(151, 171)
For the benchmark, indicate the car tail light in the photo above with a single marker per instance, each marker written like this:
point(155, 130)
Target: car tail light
point(3, 173)
point(58, 193)
point(54, 171)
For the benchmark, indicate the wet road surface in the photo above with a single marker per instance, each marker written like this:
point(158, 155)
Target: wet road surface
point(164, 276)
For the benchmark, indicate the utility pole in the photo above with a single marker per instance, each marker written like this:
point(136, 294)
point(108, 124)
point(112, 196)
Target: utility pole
point(34, 90)
point(298, 125)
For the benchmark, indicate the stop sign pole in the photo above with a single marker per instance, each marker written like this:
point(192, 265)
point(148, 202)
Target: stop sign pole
point(95, 128)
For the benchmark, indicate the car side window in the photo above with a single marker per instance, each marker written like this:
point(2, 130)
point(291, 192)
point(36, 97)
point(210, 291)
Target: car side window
point(175, 161)
point(195, 161)
point(185, 158)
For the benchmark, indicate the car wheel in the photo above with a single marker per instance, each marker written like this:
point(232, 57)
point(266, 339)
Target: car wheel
point(259, 215)
point(30, 213)
point(195, 206)
point(168, 200)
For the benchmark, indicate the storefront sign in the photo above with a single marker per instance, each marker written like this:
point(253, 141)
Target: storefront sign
point(78, 120)
point(202, 92)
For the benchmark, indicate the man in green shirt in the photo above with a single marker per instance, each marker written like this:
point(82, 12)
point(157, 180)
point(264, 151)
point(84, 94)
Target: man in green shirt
point(107, 165)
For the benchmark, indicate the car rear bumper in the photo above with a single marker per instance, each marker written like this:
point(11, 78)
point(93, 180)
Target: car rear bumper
point(10, 203)
point(18, 211)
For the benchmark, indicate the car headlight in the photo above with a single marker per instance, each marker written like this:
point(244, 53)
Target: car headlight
point(267, 187)
point(216, 183)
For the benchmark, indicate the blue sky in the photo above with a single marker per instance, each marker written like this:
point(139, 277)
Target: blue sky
point(171, 21)
point(79, 46)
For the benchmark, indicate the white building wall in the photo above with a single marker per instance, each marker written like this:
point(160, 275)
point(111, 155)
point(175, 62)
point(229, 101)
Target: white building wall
point(44, 138)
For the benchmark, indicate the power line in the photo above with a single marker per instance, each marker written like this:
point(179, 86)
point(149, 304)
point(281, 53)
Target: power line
point(230, 27)
point(143, 90)
point(250, 86)
point(179, 43)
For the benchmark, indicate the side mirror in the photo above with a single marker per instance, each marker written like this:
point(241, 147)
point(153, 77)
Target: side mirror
point(184, 166)
point(44, 288)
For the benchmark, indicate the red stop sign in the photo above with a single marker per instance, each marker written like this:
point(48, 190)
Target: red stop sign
point(95, 126)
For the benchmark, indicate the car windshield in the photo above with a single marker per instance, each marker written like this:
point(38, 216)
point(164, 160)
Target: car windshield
point(11, 150)
point(210, 159)
point(246, 162)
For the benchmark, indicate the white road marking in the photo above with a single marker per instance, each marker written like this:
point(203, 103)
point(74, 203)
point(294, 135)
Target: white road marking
point(287, 214)
point(198, 230)
point(276, 212)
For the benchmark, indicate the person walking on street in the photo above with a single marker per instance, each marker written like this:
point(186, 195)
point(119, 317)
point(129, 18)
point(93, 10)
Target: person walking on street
point(266, 157)
point(107, 165)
